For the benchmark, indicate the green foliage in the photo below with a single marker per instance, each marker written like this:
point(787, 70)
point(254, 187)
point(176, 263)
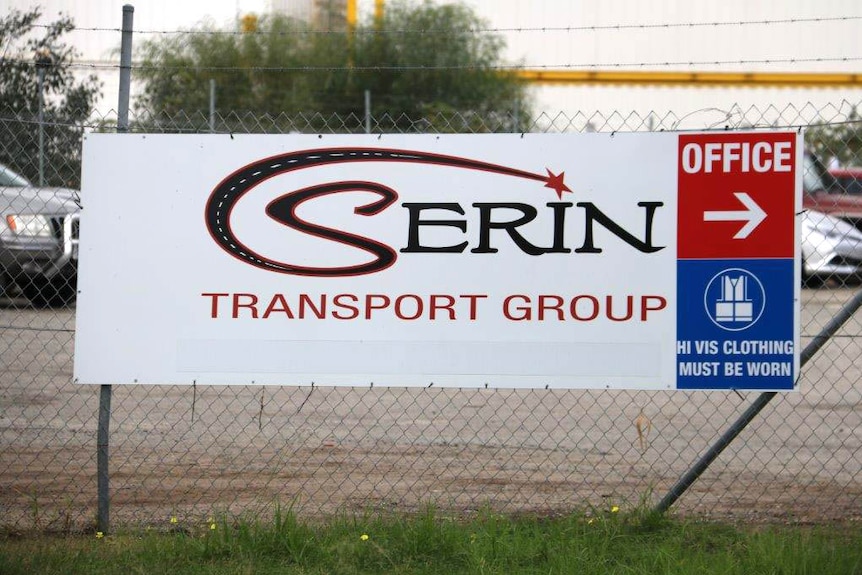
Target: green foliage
point(176, 70)
point(842, 141)
point(431, 57)
point(67, 102)
point(421, 61)
point(605, 542)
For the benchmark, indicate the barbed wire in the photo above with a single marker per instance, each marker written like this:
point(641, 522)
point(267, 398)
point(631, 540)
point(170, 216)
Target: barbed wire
point(38, 329)
point(106, 122)
point(53, 123)
point(519, 29)
point(407, 68)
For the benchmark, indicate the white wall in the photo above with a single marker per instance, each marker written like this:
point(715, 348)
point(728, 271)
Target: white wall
point(575, 48)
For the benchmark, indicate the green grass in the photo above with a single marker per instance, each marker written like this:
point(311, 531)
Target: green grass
point(607, 543)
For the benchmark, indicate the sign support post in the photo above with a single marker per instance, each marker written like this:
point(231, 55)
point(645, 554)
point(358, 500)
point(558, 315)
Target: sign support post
point(755, 408)
point(104, 426)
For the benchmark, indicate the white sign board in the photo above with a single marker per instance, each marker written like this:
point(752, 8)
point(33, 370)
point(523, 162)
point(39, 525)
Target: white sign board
point(448, 260)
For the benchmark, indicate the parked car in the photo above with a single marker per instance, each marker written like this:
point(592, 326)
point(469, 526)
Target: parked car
point(824, 193)
point(831, 248)
point(849, 180)
point(831, 227)
point(38, 241)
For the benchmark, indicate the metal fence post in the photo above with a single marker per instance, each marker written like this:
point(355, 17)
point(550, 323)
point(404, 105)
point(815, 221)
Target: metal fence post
point(367, 111)
point(755, 408)
point(212, 104)
point(516, 116)
point(40, 74)
point(102, 476)
point(125, 69)
point(104, 431)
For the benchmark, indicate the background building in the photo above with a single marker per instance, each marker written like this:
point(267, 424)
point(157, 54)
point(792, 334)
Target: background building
point(322, 14)
point(794, 36)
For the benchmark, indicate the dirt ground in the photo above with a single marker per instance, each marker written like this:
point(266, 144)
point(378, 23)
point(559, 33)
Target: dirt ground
point(194, 452)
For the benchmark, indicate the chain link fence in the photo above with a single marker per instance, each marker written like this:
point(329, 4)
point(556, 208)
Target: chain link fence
point(194, 452)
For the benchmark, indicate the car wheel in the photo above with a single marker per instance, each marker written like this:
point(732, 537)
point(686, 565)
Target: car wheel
point(53, 293)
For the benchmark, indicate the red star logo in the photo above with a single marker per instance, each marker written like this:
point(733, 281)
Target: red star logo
point(555, 182)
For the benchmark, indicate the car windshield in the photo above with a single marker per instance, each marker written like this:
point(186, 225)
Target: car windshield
point(9, 179)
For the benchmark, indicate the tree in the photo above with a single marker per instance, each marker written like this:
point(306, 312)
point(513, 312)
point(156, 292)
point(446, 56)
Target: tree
point(435, 64)
point(31, 50)
point(176, 70)
point(426, 66)
point(841, 141)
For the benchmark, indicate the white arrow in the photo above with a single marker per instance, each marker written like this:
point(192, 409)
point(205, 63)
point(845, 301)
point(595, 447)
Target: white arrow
point(752, 216)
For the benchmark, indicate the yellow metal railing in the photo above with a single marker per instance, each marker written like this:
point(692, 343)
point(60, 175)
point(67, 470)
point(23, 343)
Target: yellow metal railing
point(663, 78)
point(657, 78)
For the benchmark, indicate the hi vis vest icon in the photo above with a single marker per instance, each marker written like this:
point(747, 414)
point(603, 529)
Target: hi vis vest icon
point(734, 299)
